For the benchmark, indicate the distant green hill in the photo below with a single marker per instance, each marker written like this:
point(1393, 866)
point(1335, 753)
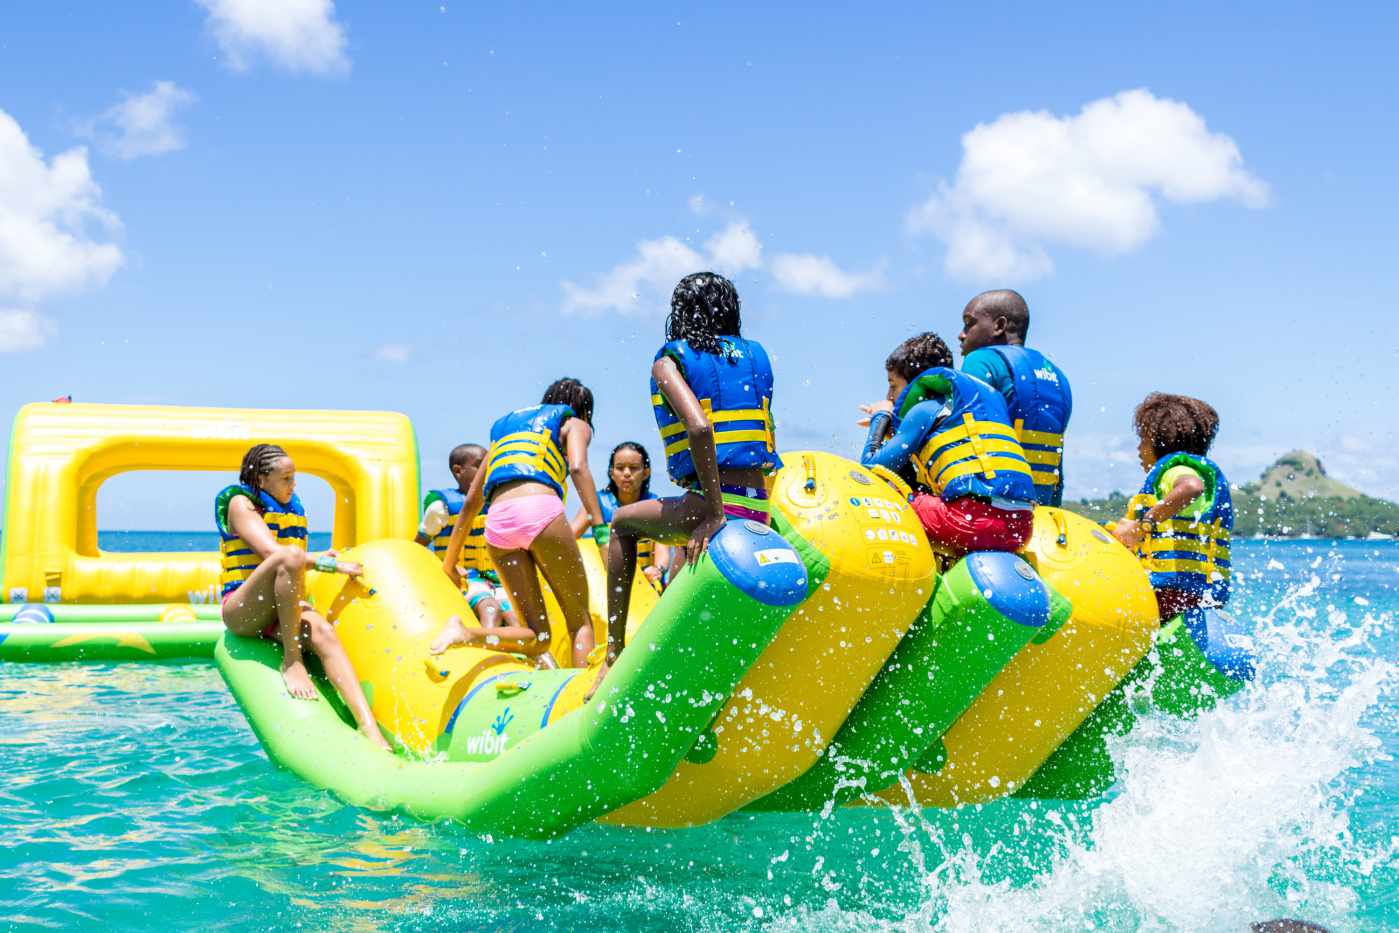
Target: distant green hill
point(1293, 498)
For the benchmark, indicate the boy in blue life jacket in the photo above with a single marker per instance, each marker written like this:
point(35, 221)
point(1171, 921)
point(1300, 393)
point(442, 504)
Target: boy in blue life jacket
point(976, 493)
point(1036, 392)
point(1180, 522)
point(484, 594)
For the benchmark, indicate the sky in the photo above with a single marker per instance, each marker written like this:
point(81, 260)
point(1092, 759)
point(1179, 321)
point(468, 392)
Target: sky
point(438, 208)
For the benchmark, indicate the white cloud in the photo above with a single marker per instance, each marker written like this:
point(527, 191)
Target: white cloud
point(393, 353)
point(644, 282)
point(142, 124)
point(48, 214)
point(735, 248)
point(699, 205)
point(1032, 179)
point(298, 35)
point(654, 270)
point(22, 330)
point(807, 274)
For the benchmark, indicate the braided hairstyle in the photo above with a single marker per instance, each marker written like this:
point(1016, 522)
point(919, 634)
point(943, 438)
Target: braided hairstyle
point(258, 462)
point(569, 391)
point(703, 308)
point(645, 462)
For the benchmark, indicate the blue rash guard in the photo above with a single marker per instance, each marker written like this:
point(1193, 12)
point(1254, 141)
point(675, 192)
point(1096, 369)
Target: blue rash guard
point(895, 453)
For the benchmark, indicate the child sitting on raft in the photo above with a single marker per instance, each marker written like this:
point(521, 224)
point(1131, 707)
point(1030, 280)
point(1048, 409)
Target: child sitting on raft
point(976, 492)
point(484, 594)
point(533, 453)
point(628, 481)
point(711, 393)
point(1180, 522)
point(262, 530)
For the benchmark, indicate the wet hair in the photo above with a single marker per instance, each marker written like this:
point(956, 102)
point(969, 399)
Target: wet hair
point(570, 392)
point(1006, 303)
point(703, 308)
point(1176, 423)
point(645, 462)
point(259, 462)
point(464, 452)
point(917, 355)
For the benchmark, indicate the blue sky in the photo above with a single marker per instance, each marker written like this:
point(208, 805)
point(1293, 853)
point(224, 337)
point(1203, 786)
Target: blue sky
point(437, 208)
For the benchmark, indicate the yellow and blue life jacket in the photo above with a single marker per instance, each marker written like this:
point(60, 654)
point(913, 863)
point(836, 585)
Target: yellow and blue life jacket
point(286, 522)
point(528, 444)
point(473, 553)
point(1189, 553)
point(734, 388)
point(971, 450)
point(1039, 402)
point(645, 547)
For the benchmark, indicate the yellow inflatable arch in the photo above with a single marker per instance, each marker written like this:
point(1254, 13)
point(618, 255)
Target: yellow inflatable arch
point(62, 453)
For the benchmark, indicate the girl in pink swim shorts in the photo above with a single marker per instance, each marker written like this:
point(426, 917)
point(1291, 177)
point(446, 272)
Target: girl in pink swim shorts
point(534, 452)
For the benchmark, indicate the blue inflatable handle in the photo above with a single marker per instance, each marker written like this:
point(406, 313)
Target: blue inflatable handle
point(1224, 641)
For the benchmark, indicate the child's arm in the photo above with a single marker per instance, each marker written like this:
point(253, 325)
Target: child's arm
point(580, 523)
point(435, 518)
point(681, 399)
point(465, 518)
point(577, 433)
point(895, 453)
point(1186, 489)
point(660, 561)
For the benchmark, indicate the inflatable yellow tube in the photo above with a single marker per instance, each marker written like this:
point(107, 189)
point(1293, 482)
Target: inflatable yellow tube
point(1047, 690)
point(62, 453)
point(387, 632)
point(797, 694)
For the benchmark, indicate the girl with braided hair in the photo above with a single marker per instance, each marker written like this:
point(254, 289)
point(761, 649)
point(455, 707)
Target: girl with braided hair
point(711, 393)
point(262, 529)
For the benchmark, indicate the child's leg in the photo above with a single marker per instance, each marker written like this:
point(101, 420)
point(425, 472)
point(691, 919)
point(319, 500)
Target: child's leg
point(555, 551)
point(275, 591)
point(662, 519)
point(341, 673)
point(519, 575)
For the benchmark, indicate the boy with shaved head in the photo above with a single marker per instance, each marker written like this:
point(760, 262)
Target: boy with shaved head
point(1036, 392)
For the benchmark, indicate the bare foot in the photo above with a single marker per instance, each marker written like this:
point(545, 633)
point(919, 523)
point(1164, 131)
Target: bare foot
point(453, 633)
point(373, 734)
point(298, 681)
point(602, 672)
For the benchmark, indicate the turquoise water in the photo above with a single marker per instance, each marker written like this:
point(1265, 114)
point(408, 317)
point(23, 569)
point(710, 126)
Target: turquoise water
point(135, 795)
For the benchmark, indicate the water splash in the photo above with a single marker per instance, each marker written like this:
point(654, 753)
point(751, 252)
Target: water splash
point(1240, 815)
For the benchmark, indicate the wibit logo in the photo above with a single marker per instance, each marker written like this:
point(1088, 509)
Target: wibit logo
point(1048, 375)
point(205, 597)
point(492, 740)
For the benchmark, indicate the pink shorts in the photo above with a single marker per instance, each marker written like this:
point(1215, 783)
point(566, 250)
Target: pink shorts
point(512, 525)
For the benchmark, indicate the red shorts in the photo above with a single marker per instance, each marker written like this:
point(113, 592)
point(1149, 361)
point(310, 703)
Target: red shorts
point(1171, 602)
point(970, 524)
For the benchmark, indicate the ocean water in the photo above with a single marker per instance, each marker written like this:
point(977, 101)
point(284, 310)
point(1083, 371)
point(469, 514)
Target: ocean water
point(135, 796)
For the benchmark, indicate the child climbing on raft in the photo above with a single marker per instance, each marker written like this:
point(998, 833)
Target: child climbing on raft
point(262, 532)
point(628, 481)
point(534, 451)
point(484, 594)
point(711, 393)
point(976, 492)
point(1180, 522)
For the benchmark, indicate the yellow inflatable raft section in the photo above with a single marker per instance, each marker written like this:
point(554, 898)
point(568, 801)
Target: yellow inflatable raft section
point(786, 709)
point(62, 453)
point(1048, 689)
